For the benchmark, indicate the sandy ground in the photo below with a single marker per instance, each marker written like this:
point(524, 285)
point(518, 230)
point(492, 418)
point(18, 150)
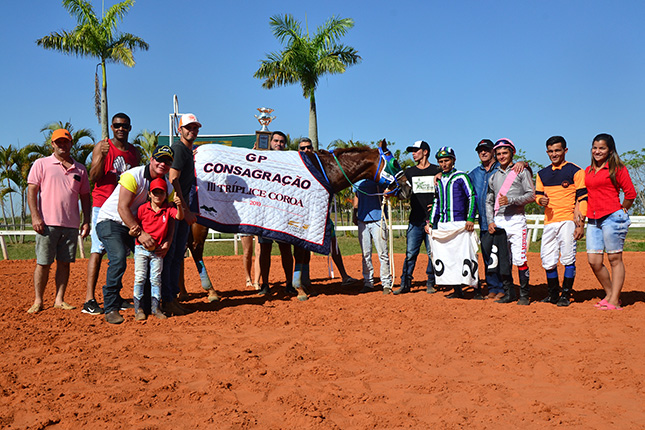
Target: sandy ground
point(340, 360)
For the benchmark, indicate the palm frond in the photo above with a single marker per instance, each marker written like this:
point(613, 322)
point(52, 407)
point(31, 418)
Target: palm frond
point(332, 30)
point(82, 11)
point(115, 14)
point(286, 29)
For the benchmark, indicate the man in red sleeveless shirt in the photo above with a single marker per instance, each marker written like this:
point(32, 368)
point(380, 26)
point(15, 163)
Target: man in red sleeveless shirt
point(110, 158)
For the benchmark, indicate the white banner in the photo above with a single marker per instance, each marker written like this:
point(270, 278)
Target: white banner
point(269, 193)
point(454, 255)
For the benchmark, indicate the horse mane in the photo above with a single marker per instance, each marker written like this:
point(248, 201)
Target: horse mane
point(358, 149)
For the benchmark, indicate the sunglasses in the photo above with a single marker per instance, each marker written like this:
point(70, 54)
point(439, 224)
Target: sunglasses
point(164, 160)
point(303, 147)
point(118, 125)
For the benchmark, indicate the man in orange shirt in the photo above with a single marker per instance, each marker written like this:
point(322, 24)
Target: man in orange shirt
point(560, 188)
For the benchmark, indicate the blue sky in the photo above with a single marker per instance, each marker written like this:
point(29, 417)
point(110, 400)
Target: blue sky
point(450, 73)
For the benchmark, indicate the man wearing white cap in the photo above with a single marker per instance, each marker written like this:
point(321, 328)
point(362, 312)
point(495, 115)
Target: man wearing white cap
point(182, 177)
point(421, 179)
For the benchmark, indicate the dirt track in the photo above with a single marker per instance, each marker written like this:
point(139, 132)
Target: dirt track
point(340, 360)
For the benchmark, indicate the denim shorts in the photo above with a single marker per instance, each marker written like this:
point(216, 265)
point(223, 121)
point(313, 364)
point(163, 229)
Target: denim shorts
point(607, 233)
point(97, 245)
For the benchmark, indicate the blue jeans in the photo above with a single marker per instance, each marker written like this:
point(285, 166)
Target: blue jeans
point(144, 259)
point(415, 236)
point(368, 233)
point(173, 261)
point(117, 242)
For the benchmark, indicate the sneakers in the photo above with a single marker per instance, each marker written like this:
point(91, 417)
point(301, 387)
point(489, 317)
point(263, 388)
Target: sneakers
point(92, 308)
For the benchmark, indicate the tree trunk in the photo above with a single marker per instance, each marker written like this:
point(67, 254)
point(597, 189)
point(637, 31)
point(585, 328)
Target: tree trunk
point(13, 216)
point(313, 121)
point(104, 103)
point(23, 213)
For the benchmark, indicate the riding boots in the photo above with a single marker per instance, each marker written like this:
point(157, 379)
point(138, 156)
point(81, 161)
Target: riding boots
point(554, 291)
point(509, 290)
point(567, 290)
point(524, 293)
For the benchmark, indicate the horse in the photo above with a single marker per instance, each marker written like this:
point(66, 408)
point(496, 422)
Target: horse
point(342, 168)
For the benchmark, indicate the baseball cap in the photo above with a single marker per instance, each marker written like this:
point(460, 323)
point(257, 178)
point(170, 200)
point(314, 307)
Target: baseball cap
point(484, 144)
point(163, 151)
point(61, 133)
point(445, 152)
point(508, 143)
point(158, 184)
point(419, 144)
point(188, 118)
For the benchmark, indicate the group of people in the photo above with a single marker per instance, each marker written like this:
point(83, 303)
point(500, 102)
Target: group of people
point(446, 202)
point(148, 209)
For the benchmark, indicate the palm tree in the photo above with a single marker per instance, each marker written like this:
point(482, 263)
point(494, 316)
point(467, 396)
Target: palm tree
point(305, 59)
point(15, 172)
point(79, 151)
point(7, 163)
point(146, 141)
point(98, 39)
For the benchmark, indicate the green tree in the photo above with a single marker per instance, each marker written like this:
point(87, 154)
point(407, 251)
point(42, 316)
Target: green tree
point(21, 161)
point(80, 151)
point(146, 141)
point(534, 167)
point(97, 38)
point(7, 165)
point(305, 59)
point(635, 162)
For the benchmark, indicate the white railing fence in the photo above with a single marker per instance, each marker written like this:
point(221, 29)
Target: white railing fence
point(534, 222)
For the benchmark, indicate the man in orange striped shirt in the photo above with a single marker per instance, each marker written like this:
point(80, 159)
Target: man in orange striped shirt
point(560, 188)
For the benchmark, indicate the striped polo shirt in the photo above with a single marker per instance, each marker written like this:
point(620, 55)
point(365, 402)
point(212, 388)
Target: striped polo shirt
point(564, 186)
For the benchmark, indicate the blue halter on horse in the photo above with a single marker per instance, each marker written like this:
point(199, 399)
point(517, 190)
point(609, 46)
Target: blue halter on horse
point(390, 173)
point(386, 176)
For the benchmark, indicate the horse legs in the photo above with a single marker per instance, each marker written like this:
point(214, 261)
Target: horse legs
point(196, 245)
point(183, 294)
point(301, 272)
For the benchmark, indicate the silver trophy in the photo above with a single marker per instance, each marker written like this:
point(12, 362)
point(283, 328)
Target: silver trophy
point(264, 118)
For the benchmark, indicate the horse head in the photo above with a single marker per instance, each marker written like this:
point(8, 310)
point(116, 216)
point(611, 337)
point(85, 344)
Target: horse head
point(389, 173)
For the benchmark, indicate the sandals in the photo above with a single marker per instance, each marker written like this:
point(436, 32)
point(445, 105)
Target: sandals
point(34, 309)
point(610, 307)
point(604, 302)
point(65, 306)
